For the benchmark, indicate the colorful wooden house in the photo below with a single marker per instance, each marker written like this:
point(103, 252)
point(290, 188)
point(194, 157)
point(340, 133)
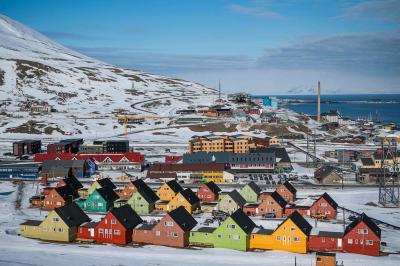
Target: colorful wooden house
point(72, 181)
point(287, 191)
point(173, 230)
point(324, 205)
point(60, 225)
point(208, 192)
point(234, 232)
point(272, 203)
point(251, 192)
point(291, 235)
point(128, 190)
point(231, 202)
point(117, 226)
point(186, 198)
point(99, 183)
point(202, 237)
point(59, 196)
point(362, 236)
point(100, 200)
point(169, 190)
point(143, 200)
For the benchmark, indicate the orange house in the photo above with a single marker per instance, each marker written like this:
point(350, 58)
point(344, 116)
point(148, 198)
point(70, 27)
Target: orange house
point(169, 190)
point(287, 191)
point(59, 197)
point(186, 198)
point(130, 188)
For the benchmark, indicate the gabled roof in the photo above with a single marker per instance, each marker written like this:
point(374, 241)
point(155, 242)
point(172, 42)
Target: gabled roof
point(300, 222)
point(127, 216)
point(147, 193)
point(174, 186)
point(278, 199)
point(107, 193)
point(32, 222)
point(73, 182)
point(67, 192)
point(235, 195)
point(364, 218)
point(290, 187)
point(254, 187)
point(205, 229)
point(183, 218)
point(106, 182)
point(243, 221)
point(213, 187)
point(329, 200)
point(330, 234)
point(324, 171)
point(190, 196)
point(72, 214)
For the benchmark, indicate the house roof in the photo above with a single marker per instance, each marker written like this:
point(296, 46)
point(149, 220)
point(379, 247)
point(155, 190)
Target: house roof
point(329, 200)
point(235, 195)
point(243, 221)
point(90, 224)
point(254, 187)
point(72, 214)
point(330, 234)
point(107, 193)
point(147, 193)
point(106, 182)
point(300, 222)
point(183, 218)
point(205, 229)
point(213, 187)
point(290, 187)
point(324, 171)
point(189, 167)
point(278, 199)
point(281, 154)
point(264, 231)
point(367, 161)
point(364, 218)
point(73, 182)
point(145, 226)
point(174, 186)
point(126, 216)
point(57, 166)
point(32, 222)
point(67, 192)
point(190, 196)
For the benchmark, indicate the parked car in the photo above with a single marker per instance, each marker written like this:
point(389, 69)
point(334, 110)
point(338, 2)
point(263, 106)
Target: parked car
point(269, 215)
point(318, 216)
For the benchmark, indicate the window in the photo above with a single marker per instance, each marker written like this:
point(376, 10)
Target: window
point(363, 231)
point(101, 231)
point(323, 204)
point(100, 204)
point(58, 203)
point(323, 240)
point(117, 232)
point(55, 219)
point(278, 238)
point(232, 226)
point(174, 234)
point(169, 223)
point(296, 239)
point(219, 235)
point(369, 242)
point(356, 241)
point(96, 196)
point(292, 228)
point(237, 237)
point(158, 233)
point(60, 230)
point(113, 221)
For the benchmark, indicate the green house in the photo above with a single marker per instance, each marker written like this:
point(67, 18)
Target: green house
point(144, 199)
point(250, 192)
point(231, 202)
point(234, 232)
point(202, 237)
point(100, 200)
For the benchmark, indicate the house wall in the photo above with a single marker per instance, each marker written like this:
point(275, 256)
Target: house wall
point(206, 195)
point(201, 239)
point(286, 194)
point(284, 238)
point(261, 241)
point(95, 203)
point(355, 242)
point(231, 238)
point(110, 230)
point(86, 233)
point(53, 228)
point(303, 211)
point(165, 193)
point(248, 194)
point(325, 244)
point(30, 231)
point(139, 204)
point(268, 205)
point(228, 205)
point(332, 178)
point(53, 200)
point(128, 191)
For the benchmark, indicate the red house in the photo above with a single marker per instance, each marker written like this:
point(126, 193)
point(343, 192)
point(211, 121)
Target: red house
point(324, 241)
point(362, 236)
point(116, 227)
point(173, 230)
point(208, 192)
point(86, 231)
point(325, 205)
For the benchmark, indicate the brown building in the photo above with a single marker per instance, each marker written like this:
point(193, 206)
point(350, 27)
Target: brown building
point(325, 259)
point(327, 175)
point(287, 191)
point(222, 143)
point(173, 230)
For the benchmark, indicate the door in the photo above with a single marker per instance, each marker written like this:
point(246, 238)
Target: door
point(339, 243)
point(91, 230)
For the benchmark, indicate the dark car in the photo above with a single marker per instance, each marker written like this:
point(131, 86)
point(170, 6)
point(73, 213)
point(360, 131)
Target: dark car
point(269, 215)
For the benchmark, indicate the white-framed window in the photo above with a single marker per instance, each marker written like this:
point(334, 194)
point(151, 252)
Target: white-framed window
point(323, 204)
point(158, 233)
point(113, 221)
point(363, 231)
point(236, 237)
point(369, 242)
point(350, 241)
point(55, 219)
point(60, 230)
point(100, 204)
point(169, 223)
point(174, 234)
point(117, 232)
point(58, 203)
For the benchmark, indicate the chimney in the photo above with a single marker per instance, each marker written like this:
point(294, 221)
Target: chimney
point(319, 103)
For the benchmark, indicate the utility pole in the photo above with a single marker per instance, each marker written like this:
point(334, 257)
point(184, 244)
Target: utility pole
point(319, 103)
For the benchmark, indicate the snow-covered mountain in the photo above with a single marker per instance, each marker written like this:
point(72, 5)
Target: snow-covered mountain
point(34, 68)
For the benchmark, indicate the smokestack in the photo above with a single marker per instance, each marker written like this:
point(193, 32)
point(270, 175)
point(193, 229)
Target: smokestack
point(319, 103)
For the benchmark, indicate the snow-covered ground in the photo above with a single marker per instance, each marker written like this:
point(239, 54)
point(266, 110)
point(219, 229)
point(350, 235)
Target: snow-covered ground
point(15, 250)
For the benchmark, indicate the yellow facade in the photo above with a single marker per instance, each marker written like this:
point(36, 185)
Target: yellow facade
point(165, 193)
point(287, 237)
point(178, 201)
point(161, 206)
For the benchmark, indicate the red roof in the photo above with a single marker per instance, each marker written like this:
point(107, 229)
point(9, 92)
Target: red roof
point(189, 167)
point(133, 157)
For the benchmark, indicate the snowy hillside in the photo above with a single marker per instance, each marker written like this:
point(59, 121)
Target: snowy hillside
point(33, 68)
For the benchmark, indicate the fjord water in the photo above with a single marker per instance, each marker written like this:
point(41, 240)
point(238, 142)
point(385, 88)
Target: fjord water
point(385, 107)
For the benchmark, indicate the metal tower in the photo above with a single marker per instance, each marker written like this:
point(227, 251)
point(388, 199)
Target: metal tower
point(389, 188)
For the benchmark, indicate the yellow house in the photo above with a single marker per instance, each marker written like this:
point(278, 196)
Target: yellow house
point(291, 235)
point(169, 190)
point(99, 183)
point(60, 225)
point(186, 198)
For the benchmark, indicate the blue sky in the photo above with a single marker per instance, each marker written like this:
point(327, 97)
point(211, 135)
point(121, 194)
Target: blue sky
point(262, 46)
